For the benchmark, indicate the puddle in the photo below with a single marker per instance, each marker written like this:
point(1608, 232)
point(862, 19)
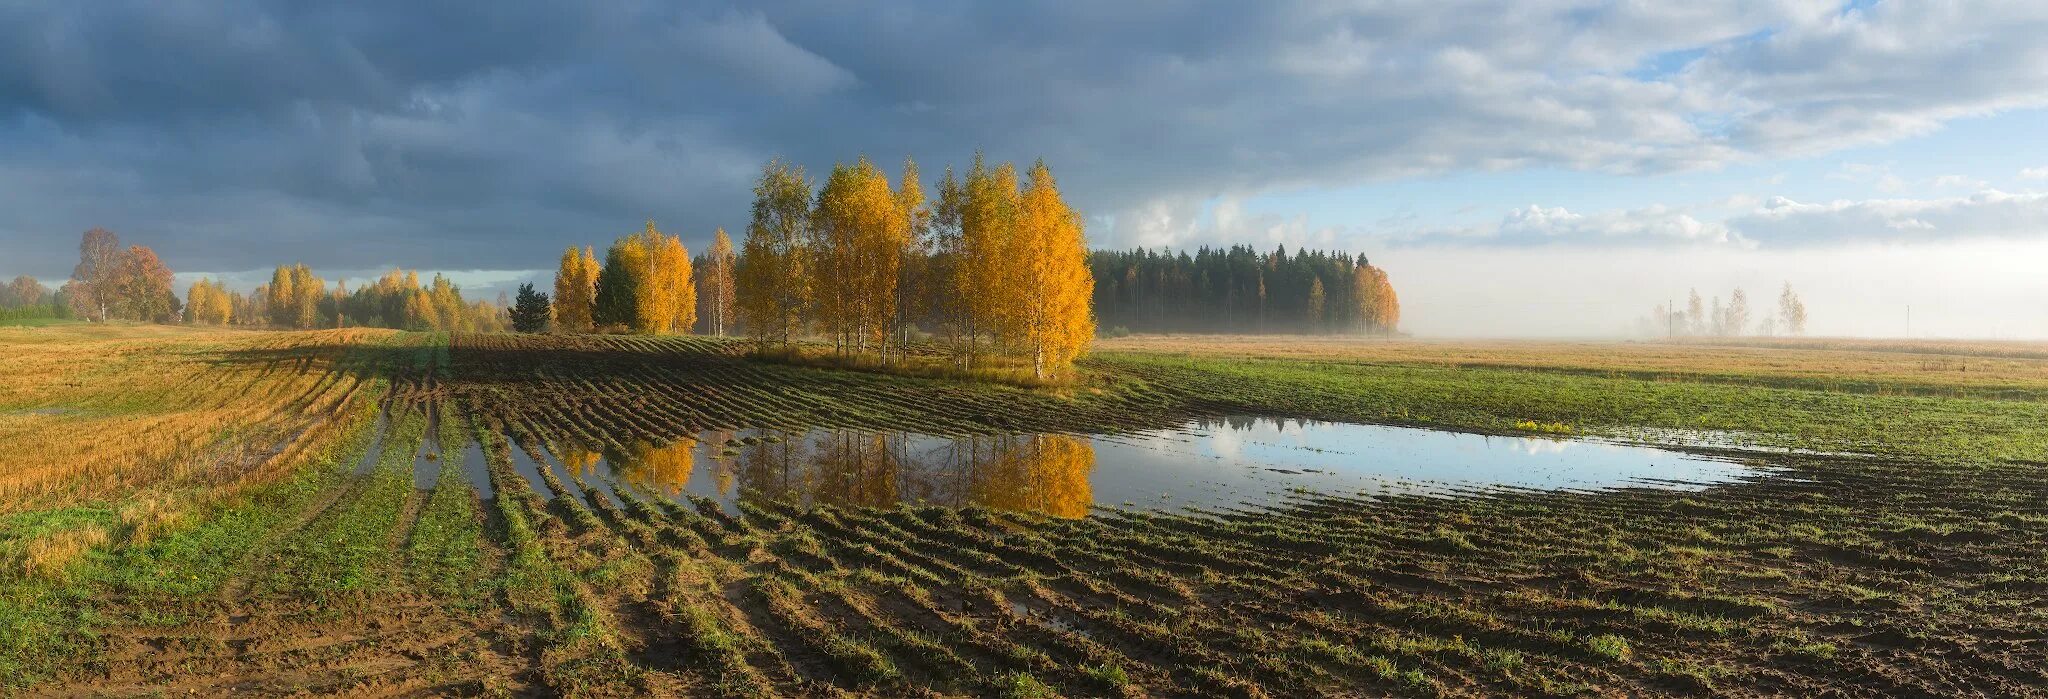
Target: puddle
point(369, 460)
point(478, 470)
point(426, 464)
point(43, 411)
point(1236, 463)
point(524, 466)
point(1733, 440)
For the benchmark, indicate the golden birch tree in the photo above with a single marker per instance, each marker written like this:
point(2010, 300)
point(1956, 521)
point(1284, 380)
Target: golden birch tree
point(575, 290)
point(718, 283)
point(772, 278)
point(1052, 303)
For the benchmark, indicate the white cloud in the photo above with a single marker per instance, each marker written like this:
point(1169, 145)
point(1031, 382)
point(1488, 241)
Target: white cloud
point(2034, 173)
point(1987, 214)
point(1656, 224)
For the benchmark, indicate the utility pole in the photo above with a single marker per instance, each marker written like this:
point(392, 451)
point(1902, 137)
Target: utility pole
point(1671, 318)
point(1909, 320)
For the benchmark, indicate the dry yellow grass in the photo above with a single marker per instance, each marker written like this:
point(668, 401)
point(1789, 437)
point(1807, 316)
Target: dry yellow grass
point(1977, 367)
point(90, 412)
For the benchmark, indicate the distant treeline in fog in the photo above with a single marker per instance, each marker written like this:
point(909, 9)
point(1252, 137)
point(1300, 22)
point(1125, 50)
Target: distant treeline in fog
point(1731, 319)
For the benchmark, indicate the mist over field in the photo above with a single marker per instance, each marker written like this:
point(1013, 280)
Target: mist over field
point(1983, 289)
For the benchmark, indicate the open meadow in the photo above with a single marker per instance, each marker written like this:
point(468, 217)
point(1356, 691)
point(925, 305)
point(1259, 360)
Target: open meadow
point(383, 513)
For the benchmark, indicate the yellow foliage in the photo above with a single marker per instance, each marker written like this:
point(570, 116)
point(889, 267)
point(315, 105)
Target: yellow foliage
point(772, 278)
point(859, 236)
point(575, 290)
point(208, 303)
point(666, 297)
point(717, 297)
point(663, 469)
point(1053, 303)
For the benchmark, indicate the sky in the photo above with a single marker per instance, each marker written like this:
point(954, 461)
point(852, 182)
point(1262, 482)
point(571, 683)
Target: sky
point(1528, 168)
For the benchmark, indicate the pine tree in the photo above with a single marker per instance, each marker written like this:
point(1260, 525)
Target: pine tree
point(619, 284)
point(530, 312)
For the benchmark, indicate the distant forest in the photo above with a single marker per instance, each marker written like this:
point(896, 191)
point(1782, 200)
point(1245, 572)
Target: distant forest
point(1242, 290)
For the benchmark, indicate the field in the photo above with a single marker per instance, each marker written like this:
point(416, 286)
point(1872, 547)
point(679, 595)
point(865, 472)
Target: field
point(360, 512)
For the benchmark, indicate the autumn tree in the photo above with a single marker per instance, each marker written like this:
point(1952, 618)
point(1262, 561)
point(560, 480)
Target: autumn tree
point(530, 312)
point(1051, 302)
point(576, 290)
point(99, 260)
point(913, 272)
point(944, 274)
point(1316, 299)
point(293, 297)
point(1695, 313)
point(772, 276)
point(23, 291)
point(142, 287)
point(1378, 309)
point(990, 257)
point(857, 242)
point(1737, 320)
point(207, 303)
point(666, 296)
point(717, 283)
point(1791, 311)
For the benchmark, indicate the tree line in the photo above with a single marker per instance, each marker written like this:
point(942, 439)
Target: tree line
point(115, 283)
point(1732, 319)
point(1241, 290)
point(993, 267)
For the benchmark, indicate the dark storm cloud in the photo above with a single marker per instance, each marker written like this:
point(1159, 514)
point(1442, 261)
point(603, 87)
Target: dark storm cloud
point(235, 135)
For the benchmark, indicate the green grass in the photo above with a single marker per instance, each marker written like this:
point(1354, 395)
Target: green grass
point(1939, 430)
point(445, 552)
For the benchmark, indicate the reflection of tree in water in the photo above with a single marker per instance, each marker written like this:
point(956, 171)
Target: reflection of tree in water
point(579, 460)
point(660, 469)
point(1039, 473)
point(724, 470)
point(777, 469)
point(857, 469)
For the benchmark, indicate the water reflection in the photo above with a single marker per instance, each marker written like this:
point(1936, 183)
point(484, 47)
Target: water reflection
point(1044, 473)
point(657, 469)
point(1239, 462)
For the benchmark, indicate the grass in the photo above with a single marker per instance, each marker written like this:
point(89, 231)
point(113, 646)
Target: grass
point(1921, 428)
point(1838, 575)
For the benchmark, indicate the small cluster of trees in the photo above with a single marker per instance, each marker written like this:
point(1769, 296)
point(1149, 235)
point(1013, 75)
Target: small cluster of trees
point(296, 298)
point(1731, 319)
point(1241, 290)
point(992, 266)
point(646, 285)
point(111, 282)
point(24, 298)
